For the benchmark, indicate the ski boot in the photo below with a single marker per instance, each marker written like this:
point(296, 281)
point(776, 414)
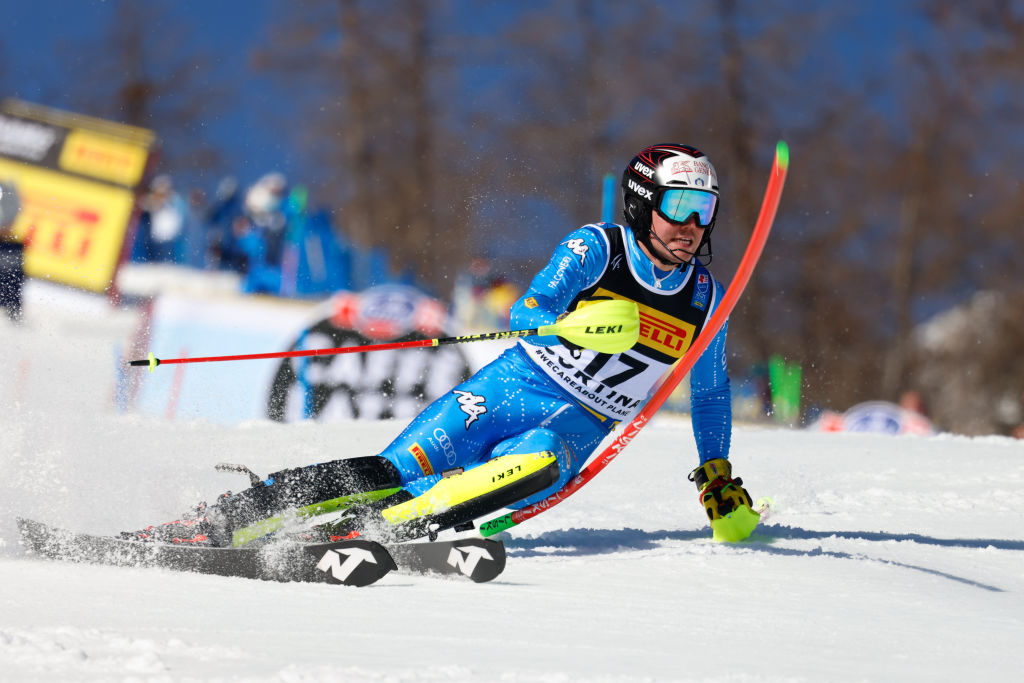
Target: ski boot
point(287, 497)
point(281, 500)
point(202, 526)
point(453, 502)
point(363, 520)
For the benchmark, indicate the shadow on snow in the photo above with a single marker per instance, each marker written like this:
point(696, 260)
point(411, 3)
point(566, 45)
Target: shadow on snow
point(580, 542)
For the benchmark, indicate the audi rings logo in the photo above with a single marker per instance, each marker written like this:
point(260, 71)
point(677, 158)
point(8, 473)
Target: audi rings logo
point(446, 445)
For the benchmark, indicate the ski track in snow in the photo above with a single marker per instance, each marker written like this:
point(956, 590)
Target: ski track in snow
point(886, 558)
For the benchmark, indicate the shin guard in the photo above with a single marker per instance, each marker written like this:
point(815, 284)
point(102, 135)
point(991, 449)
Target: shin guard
point(462, 497)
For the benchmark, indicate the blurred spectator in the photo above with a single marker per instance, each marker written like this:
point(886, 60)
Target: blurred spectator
point(483, 298)
point(294, 209)
point(264, 205)
point(263, 243)
point(12, 271)
point(160, 233)
point(760, 392)
point(245, 244)
point(226, 207)
point(196, 245)
point(1018, 431)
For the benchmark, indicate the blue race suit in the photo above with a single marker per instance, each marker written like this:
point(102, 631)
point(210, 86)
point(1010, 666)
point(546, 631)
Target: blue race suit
point(543, 395)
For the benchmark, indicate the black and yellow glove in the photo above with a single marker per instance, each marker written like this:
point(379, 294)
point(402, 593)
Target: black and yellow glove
point(727, 504)
point(720, 494)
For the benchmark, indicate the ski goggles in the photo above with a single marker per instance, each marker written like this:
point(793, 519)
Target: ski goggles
point(677, 205)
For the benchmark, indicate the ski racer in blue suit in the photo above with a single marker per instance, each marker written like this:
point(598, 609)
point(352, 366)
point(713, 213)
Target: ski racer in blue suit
point(525, 424)
point(541, 395)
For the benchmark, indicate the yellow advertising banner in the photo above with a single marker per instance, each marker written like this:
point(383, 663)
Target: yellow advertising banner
point(103, 157)
point(76, 177)
point(72, 228)
point(658, 330)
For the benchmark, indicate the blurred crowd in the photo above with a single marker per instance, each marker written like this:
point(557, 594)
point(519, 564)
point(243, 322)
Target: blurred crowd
point(266, 233)
point(482, 298)
point(12, 274)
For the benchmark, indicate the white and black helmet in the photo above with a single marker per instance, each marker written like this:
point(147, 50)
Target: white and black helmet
point(677, 181)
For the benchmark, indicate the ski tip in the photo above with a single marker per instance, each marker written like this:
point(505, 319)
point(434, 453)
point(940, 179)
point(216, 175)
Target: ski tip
point(782, 154)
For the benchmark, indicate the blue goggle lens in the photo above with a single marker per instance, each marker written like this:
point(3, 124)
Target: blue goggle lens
point(679, 205)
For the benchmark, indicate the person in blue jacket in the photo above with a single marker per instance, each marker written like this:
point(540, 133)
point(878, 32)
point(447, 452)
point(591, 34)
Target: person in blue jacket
point(525, 424)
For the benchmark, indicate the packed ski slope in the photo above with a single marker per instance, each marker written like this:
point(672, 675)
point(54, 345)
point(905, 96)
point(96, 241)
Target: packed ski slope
point(888, 558)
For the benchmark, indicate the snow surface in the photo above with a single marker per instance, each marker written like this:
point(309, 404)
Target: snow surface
point(887, 558)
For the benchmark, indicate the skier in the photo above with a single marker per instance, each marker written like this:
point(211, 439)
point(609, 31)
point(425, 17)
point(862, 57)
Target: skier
point(525, 424)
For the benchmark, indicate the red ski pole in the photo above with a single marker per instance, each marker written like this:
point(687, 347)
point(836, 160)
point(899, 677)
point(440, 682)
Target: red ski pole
point(610, 326)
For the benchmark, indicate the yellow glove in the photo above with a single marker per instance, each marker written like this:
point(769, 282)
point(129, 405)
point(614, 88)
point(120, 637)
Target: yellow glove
point(720, 494)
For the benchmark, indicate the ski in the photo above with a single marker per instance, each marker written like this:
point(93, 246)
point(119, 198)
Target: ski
point(477, 559)
point(349, 562)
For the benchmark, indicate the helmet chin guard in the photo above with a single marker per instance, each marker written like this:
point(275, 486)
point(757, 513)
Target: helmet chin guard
point(657, 170)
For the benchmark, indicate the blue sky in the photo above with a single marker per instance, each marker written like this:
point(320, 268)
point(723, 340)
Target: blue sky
point(34, 33)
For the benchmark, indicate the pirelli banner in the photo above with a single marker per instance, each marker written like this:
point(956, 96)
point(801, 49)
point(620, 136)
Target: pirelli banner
point(77, 179)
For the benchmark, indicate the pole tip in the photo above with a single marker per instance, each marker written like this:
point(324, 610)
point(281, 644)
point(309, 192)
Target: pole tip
point(782, 154)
